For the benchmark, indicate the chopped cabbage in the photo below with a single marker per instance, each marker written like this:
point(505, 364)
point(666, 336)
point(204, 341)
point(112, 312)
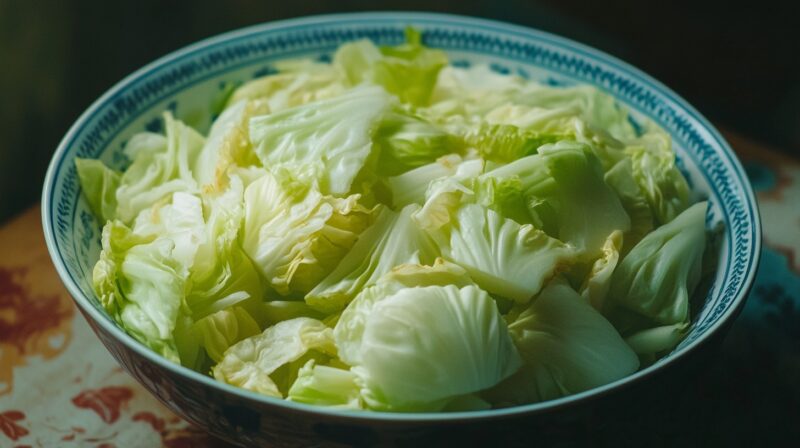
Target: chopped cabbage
point(386, 232)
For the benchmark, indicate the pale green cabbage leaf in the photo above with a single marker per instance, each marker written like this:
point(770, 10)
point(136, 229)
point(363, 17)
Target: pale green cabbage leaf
point(161, 165)
point(295, 84)
point(408, 71)
point(422, 347)
point(393, 239)
point(566, 347)
point(648, 300)
point(502, 256)
point(326, 386)
point(99, 184)
point(349, 329)
point(325, 143)
point(296, 236)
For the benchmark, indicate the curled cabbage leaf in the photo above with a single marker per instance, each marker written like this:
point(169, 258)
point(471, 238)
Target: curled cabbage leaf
point(648, 300)
point(295, 84)
point(502, 256)
point(297, 236)
point(598, 281)
point(349, 329)
point(566, 347)
point(99, 184)
point(408, 71)
point(161, 165)
point(422, 347)
point(392, 240)
point(324, 143)
point(326, 386)
point(253, 363)
point(654, 170)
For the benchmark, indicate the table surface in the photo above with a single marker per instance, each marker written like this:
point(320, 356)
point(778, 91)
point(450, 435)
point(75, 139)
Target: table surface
point(60, 387)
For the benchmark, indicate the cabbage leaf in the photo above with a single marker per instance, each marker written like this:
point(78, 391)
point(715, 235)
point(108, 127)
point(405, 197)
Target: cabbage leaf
point(253, 363)
point(502, 256)
point(566, 347)
point(648, 300)
point(422, 347)
point(392, 240)
point(324, 143)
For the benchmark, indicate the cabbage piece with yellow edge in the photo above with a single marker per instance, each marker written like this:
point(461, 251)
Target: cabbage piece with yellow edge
point(227, 146)
point(296, 83)
point(392, 240)
point(143, 272)
point(655, 171)
point(174, 279)
point(295, 235)
point(254, 363)
point(595, 287)
point(325, 143)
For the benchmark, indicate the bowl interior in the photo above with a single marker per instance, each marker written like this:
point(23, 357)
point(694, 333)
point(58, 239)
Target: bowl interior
point(191, 81)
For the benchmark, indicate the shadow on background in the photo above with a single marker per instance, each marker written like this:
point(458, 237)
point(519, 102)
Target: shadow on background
point(738, 64)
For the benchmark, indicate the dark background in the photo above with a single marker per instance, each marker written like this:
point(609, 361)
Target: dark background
point(739, 65)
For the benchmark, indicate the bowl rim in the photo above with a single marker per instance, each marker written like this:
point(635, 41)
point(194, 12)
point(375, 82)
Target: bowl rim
point(404, 17)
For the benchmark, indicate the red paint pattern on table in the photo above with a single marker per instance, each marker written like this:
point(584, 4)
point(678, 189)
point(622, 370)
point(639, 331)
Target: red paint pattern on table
point(9, 425)
point(29, 324)
point(106, 402)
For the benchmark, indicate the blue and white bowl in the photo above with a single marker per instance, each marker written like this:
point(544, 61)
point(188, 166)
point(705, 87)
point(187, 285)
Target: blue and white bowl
point(190, 80)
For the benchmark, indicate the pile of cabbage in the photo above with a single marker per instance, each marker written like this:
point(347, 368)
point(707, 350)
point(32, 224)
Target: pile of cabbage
point(388, 232)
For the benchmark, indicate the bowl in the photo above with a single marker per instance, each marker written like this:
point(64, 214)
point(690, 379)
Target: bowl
point(189, 80)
